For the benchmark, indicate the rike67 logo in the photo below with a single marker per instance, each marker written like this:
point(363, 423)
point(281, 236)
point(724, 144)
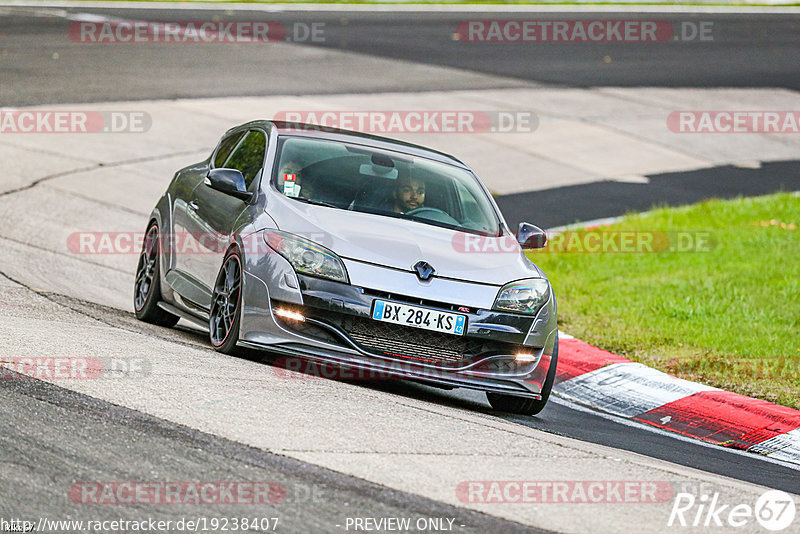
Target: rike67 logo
point(774, 510)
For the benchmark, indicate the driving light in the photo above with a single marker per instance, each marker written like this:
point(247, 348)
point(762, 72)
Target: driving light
point(306, 256)
point(289, 314)
point(523, 296)
point(525, 358)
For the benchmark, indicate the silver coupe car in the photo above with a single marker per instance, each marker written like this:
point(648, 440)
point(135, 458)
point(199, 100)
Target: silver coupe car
point(357, 251)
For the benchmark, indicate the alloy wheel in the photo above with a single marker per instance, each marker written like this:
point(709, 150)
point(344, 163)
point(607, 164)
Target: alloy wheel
point(145, 272)
point(226, 300)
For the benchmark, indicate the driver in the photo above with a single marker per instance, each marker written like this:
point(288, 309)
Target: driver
point(409, 194)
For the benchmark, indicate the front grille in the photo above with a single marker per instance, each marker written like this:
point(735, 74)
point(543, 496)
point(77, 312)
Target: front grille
point(415, 343)
point(393, 341)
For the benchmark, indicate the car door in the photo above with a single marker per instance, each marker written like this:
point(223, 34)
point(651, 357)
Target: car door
point(212, 215)
point(184, 255)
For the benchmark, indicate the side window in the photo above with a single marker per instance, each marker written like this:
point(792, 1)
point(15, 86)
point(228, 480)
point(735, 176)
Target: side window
point(225, 148)
point(249, 156)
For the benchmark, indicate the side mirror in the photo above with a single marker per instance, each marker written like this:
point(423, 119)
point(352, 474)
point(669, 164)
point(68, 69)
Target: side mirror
point(530, 236)
point(228, 181)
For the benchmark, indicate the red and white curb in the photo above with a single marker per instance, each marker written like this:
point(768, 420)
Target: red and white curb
point(604, 381)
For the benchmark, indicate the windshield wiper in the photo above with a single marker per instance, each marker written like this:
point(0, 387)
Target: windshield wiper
point(316, 202)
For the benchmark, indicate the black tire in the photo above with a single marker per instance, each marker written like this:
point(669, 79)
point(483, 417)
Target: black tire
point(522, 405)
point(226, 303)
point(147, 285)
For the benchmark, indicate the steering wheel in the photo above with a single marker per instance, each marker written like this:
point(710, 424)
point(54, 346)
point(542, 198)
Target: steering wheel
point(433, 214)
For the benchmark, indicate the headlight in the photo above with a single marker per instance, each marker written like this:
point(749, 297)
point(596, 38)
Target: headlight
point(523, 296)
point(306, 256)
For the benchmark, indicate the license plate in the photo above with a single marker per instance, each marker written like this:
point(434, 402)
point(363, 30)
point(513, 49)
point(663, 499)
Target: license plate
point(418, 317)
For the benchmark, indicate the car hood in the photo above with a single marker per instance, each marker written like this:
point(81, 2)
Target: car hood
point(400, 244)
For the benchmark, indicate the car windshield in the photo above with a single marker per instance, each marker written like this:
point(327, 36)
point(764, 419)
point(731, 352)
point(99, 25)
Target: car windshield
point(382, 182)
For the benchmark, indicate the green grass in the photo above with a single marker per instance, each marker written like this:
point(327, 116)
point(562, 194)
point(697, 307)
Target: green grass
point(728, 317)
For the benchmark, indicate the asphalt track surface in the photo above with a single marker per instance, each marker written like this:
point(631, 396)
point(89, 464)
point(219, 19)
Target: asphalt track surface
point(85, 436)
point(746, 51)
point(52, 432)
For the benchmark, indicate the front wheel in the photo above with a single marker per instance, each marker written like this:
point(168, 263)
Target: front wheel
point(522, 405)
point(226, 305)
point(147, 287)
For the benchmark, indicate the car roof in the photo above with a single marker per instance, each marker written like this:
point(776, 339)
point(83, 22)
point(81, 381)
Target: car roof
point(349, 136)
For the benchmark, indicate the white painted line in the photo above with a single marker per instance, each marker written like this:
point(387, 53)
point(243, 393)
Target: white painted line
point(632, 179)
point(627, 389)
point(89, 17)
point(746, 164)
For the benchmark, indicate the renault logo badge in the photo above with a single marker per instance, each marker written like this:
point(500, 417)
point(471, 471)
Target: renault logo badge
point(424, 270)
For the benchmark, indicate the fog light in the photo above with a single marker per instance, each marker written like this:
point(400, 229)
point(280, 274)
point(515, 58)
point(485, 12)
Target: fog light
point(289, 314)
point(525, 358)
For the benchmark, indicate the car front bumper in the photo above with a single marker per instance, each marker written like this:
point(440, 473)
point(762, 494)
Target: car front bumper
point(337, 328)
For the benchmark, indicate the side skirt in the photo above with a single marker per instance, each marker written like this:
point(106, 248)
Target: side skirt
point(200, 321)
